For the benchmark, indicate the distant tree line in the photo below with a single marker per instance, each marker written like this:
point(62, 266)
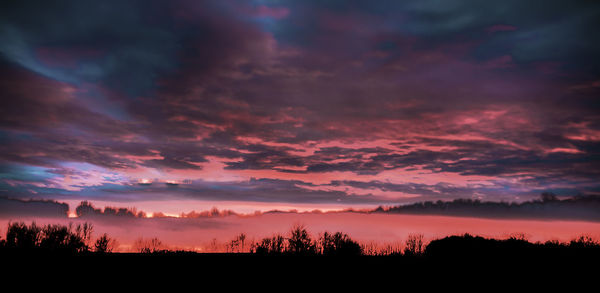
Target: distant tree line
point(86, 209)
point(548, 206)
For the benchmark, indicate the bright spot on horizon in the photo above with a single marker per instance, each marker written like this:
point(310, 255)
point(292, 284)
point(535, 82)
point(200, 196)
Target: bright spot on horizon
point(145, 181)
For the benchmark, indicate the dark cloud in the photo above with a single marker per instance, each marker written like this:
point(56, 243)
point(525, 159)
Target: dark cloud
point(505, 90)
point(121, 44)
point(439, 191)
point(257, 190)
point(254, 190)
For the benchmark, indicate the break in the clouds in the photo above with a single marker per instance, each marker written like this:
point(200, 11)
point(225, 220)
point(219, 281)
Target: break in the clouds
point(336, 102)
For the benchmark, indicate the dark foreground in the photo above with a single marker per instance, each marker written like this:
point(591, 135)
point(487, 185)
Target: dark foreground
point(187, 267)
point(458, 260)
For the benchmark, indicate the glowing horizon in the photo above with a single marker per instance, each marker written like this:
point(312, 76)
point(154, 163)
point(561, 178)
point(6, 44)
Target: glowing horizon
point(177, 106)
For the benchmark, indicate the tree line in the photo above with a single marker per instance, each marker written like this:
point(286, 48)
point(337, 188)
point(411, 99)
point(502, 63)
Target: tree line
point(300, 242)
point(70, 239)
point(77, 239)
point(548, 206)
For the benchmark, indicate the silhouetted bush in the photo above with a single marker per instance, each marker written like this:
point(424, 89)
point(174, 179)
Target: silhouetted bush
point(273, 245)
point(339, 244)
point(477, 248)
point(66, 239)
point(104, 244)
point(584, 242)
point(56, 238)
point(21, 236)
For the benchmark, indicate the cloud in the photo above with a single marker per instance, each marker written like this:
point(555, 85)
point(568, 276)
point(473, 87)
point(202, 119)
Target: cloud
point(424, 96)
point(127, 51)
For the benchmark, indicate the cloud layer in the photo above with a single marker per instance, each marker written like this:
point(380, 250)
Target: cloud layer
point(337, 102)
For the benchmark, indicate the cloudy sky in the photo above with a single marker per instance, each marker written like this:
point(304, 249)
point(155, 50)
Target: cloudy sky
point(322, 103)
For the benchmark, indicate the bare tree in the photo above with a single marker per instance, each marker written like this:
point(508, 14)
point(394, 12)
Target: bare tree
point(300, 241)
point(270, 245)
point(152, 245)
point(414, 245)
point(338, 244)
point(241, 239)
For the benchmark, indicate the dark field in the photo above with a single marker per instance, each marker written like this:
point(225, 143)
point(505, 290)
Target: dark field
point(465, 255)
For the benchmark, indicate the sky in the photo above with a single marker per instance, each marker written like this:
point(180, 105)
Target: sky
point(255, 105)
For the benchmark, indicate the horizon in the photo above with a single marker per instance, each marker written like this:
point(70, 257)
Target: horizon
point(99, 207)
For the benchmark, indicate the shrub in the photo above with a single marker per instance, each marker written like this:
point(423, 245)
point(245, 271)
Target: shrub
point(272, 245)
point(339, 244)
point(104, 244)
point(50, 237)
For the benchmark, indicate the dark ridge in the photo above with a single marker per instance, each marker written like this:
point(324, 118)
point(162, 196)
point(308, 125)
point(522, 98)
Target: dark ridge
point(11, 207)
point(586, 208)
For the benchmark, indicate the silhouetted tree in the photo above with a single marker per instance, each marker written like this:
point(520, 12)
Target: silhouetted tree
point(300, 242)
point(272, 245)
point(518, 236)
point(237, 244)
point(232, 245)
point(152, 245)
point(21, 236)
point(241, 239)
point(66, 238)
point(339, 244)
point(414, 245)
point(104, 244)
point(86, 208)
point(120, 212)
point(57, 238)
